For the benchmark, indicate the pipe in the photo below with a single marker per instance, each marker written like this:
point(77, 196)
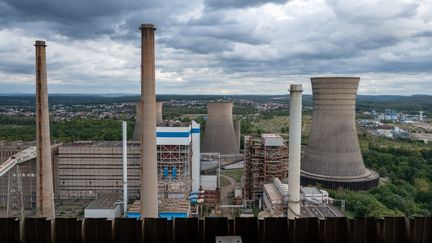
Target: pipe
point(44, 181)
point(294, 151)
point(125, 192)
point(148, 186)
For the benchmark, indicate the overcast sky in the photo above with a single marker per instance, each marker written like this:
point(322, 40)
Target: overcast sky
point(218, 46)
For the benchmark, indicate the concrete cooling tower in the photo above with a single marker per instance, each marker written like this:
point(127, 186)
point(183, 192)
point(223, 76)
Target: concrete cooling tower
point(138, 118)
point(159, 118)
point(220, 135)
point(332, 157)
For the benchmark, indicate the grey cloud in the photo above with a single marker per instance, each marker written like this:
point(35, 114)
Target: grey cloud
point(214, 45)
point(215, 4)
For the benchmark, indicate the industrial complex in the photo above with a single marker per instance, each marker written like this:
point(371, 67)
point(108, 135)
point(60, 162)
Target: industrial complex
point(163, 172)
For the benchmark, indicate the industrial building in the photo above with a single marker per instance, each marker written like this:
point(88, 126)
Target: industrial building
point(265, 158)
point(10, 153)
point(85, 169)
point(222, 134)
point(107, 206)
point(313, 201)
point(332, 157)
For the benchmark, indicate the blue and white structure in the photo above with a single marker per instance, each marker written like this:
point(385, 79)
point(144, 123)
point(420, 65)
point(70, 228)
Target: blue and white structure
point(178, 159)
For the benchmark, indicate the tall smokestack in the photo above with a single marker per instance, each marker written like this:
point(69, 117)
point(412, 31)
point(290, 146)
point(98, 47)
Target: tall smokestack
point(44, 180)
point(125, 187)
point(294, 150)
point(148, 187)
point(159, 106)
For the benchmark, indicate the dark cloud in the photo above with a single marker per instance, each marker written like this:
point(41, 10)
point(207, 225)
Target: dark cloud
point(215, 4)
point(222, 45)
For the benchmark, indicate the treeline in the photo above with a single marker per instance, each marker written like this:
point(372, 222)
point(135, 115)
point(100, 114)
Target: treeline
point(408, 189)
point(67, 131)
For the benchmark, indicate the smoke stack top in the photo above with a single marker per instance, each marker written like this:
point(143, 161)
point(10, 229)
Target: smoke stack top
point(40, 43)
point(147, 26)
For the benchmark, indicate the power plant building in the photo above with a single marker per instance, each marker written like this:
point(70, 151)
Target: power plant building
point(332, 157)
point(86, 169)
point(265, 158)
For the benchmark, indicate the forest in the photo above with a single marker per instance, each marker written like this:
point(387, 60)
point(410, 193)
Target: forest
point(405, 187)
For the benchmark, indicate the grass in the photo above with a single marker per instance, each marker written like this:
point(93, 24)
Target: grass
point(236, 174)
point(272, 125)
point(224, 182)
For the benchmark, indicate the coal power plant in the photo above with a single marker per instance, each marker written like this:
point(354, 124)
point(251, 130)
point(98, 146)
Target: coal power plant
point(332, 157)
point(220, 135)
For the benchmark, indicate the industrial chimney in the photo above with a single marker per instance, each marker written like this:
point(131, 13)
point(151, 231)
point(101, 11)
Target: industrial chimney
point(148, 187)
point(44, 181)
point(137, 128)
point(219, 134)
point(333, 157)
point(294, 150)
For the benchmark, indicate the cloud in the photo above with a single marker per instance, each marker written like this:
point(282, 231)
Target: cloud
point(215, 4)
point(208, 46)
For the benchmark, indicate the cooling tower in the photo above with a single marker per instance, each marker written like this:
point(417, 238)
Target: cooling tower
point(44, 171)
point(332, 157)
point(138, 119)
point(147, 123)
point(159, 118)
point(219, 134)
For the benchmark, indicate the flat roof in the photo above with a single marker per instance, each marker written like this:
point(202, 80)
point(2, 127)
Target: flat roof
point(270, 135)
point(272, 191)
point(310, 190)
point(105, 201)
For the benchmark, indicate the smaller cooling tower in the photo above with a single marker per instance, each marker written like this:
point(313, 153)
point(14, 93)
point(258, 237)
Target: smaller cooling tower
point(332, 157)
point(219, 134)
point(159, 119)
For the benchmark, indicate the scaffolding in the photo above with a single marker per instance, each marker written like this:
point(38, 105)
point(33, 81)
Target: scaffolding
point(262, 164)
point(174, 177)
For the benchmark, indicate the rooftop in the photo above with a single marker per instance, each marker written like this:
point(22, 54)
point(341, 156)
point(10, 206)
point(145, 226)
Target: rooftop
point(105, 201)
